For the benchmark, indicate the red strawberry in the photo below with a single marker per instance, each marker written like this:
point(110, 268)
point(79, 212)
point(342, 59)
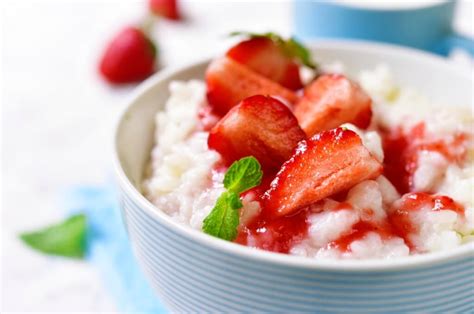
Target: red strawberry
point(330, 101)
point(291, 79)
point(166, 8)
point(267, 58)
point(259, 126)
point(129, 57)
point(229, 82)
point(327, 163)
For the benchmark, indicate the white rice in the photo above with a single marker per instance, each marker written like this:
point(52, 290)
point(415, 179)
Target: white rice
point(182, 183)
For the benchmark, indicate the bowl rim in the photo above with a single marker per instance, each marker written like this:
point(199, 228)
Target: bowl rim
point(257, 255)
point(401, 9)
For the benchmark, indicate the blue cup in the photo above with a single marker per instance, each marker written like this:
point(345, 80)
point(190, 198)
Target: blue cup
point(426, 26)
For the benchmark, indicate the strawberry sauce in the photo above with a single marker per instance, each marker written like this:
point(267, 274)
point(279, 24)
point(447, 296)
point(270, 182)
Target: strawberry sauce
point(270, 233)
point(399, 160)
point(207, 118)
point(401, 151)
point(359, 231)
point(276, 235)
point(400, 217)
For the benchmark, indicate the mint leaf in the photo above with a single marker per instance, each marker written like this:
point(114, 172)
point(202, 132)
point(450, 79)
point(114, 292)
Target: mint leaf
point(292, 47)
point(243, 175)
point(67, 238)
point(223, 220)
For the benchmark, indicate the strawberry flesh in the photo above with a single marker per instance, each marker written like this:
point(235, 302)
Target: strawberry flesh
point(264, 56)
point(260, 126)
point(229, 82)
point(332, 100)
point(327, 163)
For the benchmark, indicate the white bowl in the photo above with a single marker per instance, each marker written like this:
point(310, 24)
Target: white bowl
point(193, 272)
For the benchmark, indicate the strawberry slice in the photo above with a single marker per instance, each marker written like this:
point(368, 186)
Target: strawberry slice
point(330, 101)
point(229, 82)
point(259, 126)
point(321, 166)
point(266, 57)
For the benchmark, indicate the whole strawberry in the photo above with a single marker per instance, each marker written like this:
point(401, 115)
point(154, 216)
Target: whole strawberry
point(165, 8)
point(129, 57)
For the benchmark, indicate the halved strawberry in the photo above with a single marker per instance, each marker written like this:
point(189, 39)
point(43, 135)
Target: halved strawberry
point(321, 166)
point(266, 57)
point(330, 101)
point(259, 126)
point(229, 82)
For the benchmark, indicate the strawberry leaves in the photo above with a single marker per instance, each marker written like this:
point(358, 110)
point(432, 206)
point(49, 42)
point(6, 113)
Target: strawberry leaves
point(296, 49)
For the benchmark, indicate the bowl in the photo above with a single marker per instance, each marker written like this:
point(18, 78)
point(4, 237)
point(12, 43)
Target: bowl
point(194, 272)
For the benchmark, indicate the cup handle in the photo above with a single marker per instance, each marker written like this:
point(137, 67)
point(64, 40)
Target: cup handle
point(455, 41)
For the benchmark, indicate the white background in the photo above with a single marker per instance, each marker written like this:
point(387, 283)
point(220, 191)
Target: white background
point(58, 116)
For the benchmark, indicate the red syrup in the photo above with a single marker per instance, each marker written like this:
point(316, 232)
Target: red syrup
point(207, 118)
point(401, 153)
point(359, 231)
point(273, 234)
point(399, 160)
point(401, 211)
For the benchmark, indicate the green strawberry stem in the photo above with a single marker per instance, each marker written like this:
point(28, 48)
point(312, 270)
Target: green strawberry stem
point(147, 23)
point(146, 26)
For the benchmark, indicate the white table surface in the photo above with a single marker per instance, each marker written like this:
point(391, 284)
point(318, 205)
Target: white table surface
point(57, 120)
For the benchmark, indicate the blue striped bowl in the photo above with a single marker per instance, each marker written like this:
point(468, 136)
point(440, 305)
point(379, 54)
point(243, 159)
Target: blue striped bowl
point(193, 272)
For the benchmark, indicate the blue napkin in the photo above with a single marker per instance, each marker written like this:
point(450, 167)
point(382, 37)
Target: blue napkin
point(110, 251)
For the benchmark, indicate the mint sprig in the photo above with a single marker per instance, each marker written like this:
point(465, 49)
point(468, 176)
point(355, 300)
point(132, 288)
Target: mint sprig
point(67, 238)
point(292, 47)
point(243, 175)
point(223, 220)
